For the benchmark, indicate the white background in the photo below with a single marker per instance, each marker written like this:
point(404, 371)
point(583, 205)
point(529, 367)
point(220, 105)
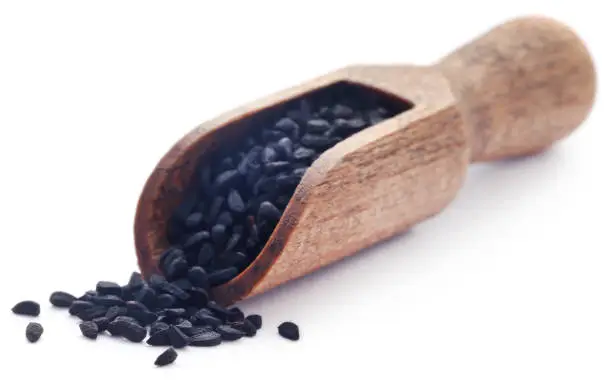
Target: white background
point(512, 282)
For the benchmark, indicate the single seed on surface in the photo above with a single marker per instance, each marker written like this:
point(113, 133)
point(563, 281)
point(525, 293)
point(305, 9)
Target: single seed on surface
point(167, 357)
point(89, 329)
point(61, 299)
point(289, 330)
point(26, 308)
point(33, 332)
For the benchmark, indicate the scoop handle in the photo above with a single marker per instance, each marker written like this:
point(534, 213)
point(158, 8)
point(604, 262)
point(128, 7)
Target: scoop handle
point(521, 87)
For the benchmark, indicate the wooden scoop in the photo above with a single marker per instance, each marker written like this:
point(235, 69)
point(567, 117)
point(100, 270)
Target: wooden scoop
point(513, 92)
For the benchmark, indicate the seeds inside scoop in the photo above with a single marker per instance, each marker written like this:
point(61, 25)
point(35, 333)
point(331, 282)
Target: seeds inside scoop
point(237, 194)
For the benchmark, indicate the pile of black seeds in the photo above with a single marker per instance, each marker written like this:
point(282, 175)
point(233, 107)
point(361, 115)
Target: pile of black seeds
point(173, 314)
point(237, 195)
point(230, 209)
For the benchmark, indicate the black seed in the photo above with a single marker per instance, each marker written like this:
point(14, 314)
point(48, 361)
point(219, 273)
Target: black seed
point(177, 338)
point(206, 339)
point(299, 172)
point(264, 184)
point(198, 296)
point(267, 211)
point(229, 333)
point(286, 145)
point(215, 208)
point(196, 239)
point(133, 306)
point(317, 141)
point(341, 111)
point(255, 320)
point(79, 305)
point(174, 290)
point(218, 235)
point(194, 220)
point(268, 154)
point(158, 326)
point(156, 281)
point(101, 323)
point(135, 281)
point(198, 277)
point(147, 296)
point(221, 276)
point(233, 242)
point(317, 125)
point(289, 126)
point(128, 293)
point(226, 180)
point(27, 308)
point(87, 296)
point(289, 331)
point(207, 252)
point(108, 300)
point(33, 332)
point(193, 331)
point(183, 284)
point(225, 218)
point(169, 255)
point(303, 153)
point(202, 319)
point(92, 313)
point(245, 326)
point(272, 135)
point(134, 332)
point(61, 299)
point(235, 314)
point(159, 338)
point(175, 312)
point(234, 202)
point(275, 167)
point(119, 326)
point(108, 288)
point(218, 310)
point(166, 358)
point(184, 325)
point(89, 329)
point(114, 312)
point(165, 301)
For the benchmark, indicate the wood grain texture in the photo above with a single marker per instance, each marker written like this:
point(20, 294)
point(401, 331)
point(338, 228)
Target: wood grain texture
point(513, 91)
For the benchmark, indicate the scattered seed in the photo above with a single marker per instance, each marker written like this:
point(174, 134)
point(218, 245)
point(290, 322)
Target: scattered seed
point(167, 357)
point(289, 330)
point(89, 329)
point(27, 308)
point(61, 299)
point(33, 332)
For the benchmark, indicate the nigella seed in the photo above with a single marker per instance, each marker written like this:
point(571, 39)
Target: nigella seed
point(206, 339)
point(245, 326)
point(198, 277)
point(196, 239)
point(225, 219)
point(26, 308)
point(108, 300)
point(169, 255)
point(233, 242)
point(303, 153)
point(177, 338)
point(101, 323)
point(174, 290)
point(268, 154)
point(198, 297)
point(286, 146)
point(317, 125)
point(274, 167)
point(133, 306)
point(267, 211)
point(218, 235)
point(234, 202)
point(87, 296)
point(183, 284)
point(147, 296)
point(114, 312)
point(194, 220)
point(201, 319)
point(341, 111)
point(229, 333)
point(89, 329)
point(92, 313)
point(207, 252)
point(108, 288)
point(215, 208)
point(61, 299)
point(119, 326)
point(255, 320)
point(289, 126)
point(183, 325)
point(33, 332)
point(226, 180)
point(174, 312)
point(289, 330)
point(272, 135)
point(221, 276)
point(235, 314)
point(165, 301)
point(134, 332)
point(316, 141)
point(167, 357)
point(135, 281)
point(159, 338)
point(78, 306)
